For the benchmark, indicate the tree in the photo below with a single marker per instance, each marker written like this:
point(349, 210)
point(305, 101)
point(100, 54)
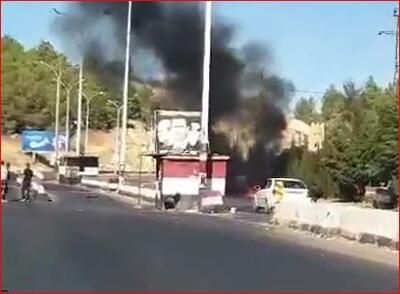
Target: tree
point(305, 110)
point(307, 166)
point(29, 90)
point(333, 104)
point(384, 150)
point(360, 145)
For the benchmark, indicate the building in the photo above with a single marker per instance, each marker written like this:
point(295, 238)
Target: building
point(317, 136)
point(298, 134)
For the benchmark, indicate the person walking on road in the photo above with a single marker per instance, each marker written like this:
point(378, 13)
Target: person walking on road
point(26, 183)
point(4, 185)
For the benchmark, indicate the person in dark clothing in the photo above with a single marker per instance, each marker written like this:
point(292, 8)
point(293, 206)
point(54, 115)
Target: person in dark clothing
point(3, 182)
point(8, 177)
point(26, 183)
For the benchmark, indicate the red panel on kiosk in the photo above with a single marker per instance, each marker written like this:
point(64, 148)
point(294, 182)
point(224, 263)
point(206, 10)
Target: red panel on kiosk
point(216, 168)
point(186, 167)
point(180, 168)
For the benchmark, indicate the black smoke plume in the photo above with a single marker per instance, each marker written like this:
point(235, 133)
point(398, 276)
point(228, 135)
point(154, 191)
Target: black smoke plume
point(244, 96)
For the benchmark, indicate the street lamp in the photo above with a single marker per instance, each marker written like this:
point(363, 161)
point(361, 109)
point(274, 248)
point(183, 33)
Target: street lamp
point(68, 89)
point(88, 100)
point(58, 72)
point(117, 150)
point(389, 32)
point(126, 89)
point(79, 115)
point(203, 155)
point(206, 72)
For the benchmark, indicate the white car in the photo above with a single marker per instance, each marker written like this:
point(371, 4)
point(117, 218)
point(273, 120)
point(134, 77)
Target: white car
point(277, 190)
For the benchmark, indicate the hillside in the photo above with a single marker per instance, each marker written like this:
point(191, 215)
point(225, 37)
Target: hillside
point(101, 143)
point(11, 152)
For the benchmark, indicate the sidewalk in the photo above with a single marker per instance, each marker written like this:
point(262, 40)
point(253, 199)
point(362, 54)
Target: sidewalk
point(147, 194)
point(126, 193)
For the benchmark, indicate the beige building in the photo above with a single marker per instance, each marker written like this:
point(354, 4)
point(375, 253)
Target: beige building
point(298, 133)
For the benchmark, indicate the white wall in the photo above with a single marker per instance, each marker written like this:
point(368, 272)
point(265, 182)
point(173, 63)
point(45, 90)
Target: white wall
point(346, 217)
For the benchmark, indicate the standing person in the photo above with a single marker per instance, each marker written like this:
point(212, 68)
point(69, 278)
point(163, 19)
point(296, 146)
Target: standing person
point(8, 178)
point(26, 183)
point(3, 182)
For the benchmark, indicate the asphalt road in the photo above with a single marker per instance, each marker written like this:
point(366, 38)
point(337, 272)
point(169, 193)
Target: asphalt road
point(86, 242)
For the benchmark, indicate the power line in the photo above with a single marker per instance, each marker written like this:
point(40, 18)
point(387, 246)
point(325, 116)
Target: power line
point(310, 92)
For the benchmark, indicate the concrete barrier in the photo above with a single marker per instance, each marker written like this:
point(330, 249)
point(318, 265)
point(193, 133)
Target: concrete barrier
point(357, 223)
point(376, 222)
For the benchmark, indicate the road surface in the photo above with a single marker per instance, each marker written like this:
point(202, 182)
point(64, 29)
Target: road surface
point(83, 241)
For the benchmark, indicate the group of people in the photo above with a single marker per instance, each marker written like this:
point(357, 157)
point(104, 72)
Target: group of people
point(6, 179)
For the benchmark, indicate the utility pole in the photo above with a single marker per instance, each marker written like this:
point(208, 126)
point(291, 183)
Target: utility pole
point(126, 90)
point(396, 34)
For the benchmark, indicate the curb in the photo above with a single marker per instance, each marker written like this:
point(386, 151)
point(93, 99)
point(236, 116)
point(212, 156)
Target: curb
point(136, 196)
point(122, 196)
point(363, 238)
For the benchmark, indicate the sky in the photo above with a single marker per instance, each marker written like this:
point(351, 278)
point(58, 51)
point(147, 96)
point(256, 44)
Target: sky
point(314, 45)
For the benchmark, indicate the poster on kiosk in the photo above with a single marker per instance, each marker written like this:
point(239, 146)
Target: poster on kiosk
point(177, 132)
point(178, 140)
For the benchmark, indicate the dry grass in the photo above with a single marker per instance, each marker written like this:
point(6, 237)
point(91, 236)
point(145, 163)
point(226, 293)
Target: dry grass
point(139, 141)
point(101, 144)
point(11, 152)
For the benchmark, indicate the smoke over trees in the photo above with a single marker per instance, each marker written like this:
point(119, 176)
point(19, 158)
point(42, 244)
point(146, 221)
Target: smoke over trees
point(245, 98)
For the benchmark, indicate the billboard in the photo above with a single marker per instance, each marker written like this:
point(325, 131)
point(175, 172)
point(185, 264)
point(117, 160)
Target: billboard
point(177, 132)
point(41, 142)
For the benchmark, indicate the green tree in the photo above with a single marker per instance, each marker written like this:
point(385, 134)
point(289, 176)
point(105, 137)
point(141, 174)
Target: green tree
point(360, 144)
point(29, 90)
point(384, 150)
point(305, 110)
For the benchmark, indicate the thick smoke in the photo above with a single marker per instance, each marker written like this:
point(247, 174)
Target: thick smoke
point(246, 100)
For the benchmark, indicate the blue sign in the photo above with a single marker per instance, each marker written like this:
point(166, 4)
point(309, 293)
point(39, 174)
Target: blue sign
point(41, 142)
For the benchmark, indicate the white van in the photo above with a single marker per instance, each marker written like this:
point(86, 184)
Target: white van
point(276, 190)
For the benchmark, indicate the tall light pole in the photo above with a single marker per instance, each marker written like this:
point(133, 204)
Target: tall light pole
point(206, 72)
point(79, 114)
point(126, 88)
point(58, 73)
point(396, 70)
point(396, 34)
point(88, 100)
point(68, 89)
point(117, 151)
point(205, 98)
